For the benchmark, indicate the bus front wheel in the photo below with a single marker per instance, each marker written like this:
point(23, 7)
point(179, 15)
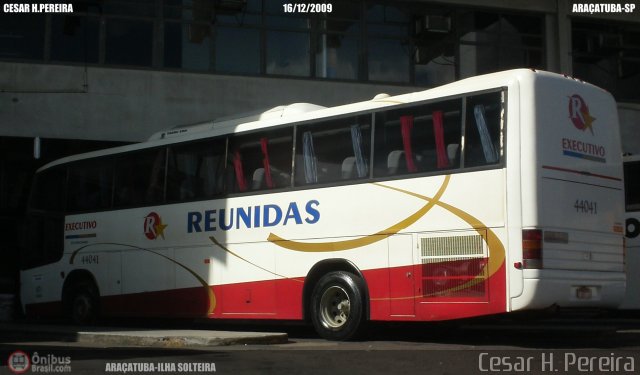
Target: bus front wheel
point(83, 303)
point(337, 306)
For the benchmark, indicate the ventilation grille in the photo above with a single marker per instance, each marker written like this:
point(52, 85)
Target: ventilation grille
point(454, 267)
point(435, 248)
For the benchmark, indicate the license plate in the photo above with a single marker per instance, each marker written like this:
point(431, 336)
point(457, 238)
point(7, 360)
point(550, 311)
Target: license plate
point(584, 293)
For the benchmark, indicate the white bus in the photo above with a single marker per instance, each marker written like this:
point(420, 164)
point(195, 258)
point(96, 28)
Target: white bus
point(632, 225)
point(492, 194)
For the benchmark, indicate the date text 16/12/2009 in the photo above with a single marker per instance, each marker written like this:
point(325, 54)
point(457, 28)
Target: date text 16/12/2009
point(307, 8)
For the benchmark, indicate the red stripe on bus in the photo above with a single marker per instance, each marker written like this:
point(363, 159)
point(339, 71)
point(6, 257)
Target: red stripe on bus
point(395, 294)
point(582, 173)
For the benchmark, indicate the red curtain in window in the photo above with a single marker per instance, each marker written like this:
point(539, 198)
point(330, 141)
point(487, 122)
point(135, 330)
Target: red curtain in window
point(237, 165)
point(438, 132)
point(264, 142)
point(406, 126)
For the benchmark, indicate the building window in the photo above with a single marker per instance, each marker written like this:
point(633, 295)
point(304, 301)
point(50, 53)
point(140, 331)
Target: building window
point(434, 54)
point(337, 56)
point(492, 42)
point(608, 55)
point(338, 42)
point(364, 40)
point(187, 46)
point(75, 38)
point(237, 50)
point(388, 60)
point(22, 36)
point(129, 8)
point(388, 48)
point(288, 53)
point(128, 42)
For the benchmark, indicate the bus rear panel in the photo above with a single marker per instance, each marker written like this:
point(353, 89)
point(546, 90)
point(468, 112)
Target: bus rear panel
point(572, 197)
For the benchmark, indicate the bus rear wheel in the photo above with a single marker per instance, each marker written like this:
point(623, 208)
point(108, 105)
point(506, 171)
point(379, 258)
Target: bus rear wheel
point(83, 306)
point(337, 306)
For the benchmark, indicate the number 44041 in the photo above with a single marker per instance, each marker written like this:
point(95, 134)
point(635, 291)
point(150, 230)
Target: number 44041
point(90, 259)
point(586, 207)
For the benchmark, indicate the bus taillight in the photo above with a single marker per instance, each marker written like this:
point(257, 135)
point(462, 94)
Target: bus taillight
point(532, 248)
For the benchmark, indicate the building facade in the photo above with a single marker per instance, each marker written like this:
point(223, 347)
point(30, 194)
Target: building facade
point(115, 71)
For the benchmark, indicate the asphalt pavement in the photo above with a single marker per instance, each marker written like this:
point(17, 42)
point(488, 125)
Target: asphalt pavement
point(153, 337)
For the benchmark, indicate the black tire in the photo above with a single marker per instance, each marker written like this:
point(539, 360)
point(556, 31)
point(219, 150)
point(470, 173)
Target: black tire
point(632, 228)
point(83, 303)
point(337, 306)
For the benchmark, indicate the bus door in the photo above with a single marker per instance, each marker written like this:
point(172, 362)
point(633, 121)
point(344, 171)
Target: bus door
point(402, 275)
point(42, 246)
point(42, 243)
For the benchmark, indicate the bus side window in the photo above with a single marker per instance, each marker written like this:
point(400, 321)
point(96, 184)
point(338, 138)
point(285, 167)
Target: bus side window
point(389, 150)
point(336, 150)
point(239, 180)
point(139, 178)
point(195, 170)
point(90, 185)
point(306, 161)
point(49, 189)
point(260, 161)
point(482, 133)
point(420, 138)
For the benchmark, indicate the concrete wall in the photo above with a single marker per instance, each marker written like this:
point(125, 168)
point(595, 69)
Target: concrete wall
point(56, 101)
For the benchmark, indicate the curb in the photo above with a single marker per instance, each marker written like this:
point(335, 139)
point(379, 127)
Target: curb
point(178, 338)
point(167, 339)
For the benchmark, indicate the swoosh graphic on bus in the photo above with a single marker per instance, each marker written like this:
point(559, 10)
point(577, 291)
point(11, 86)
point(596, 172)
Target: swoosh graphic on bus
point(496, 248)
point(316, 247)
point(211, 295)
point(217, 243)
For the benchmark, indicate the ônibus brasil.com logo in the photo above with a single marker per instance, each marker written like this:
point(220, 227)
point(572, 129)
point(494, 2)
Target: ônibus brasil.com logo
point(19, 362)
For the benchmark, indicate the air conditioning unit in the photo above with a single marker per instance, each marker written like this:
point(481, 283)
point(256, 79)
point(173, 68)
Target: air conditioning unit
point(433, 24)
point(230, 6)
point(610, 41)
point(602, 44)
